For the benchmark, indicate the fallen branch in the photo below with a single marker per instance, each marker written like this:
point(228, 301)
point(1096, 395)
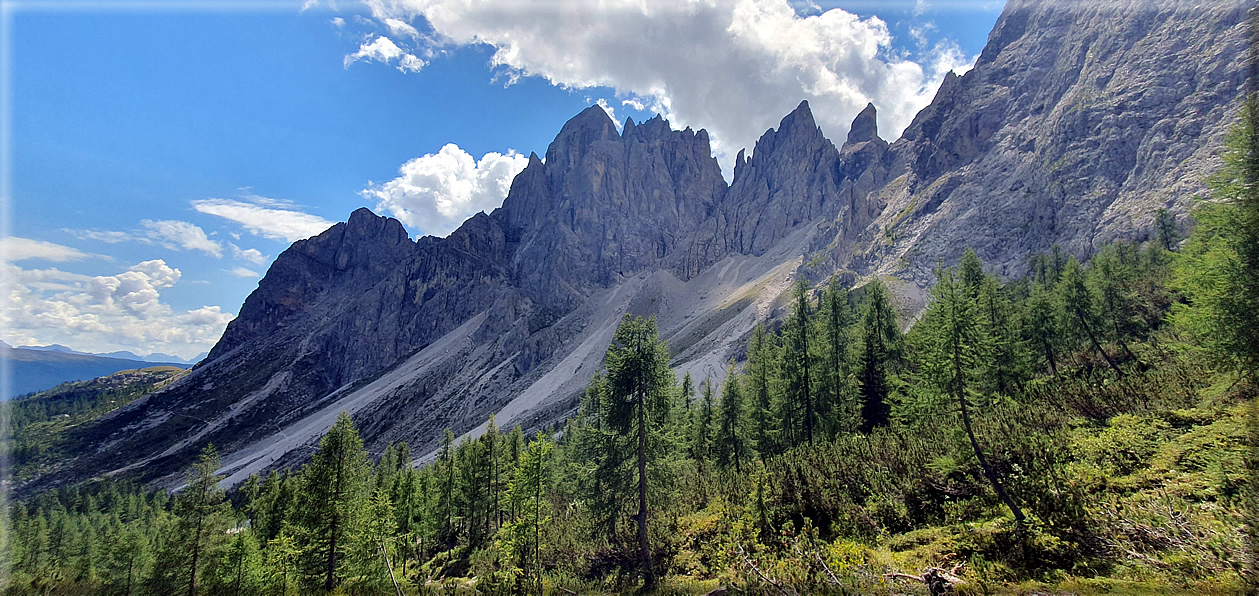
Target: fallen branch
point(758, 572)
point(834, 580)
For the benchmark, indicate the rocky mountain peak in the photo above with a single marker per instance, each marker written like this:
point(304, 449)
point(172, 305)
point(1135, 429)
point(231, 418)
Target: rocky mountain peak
point(366, 246)
point(578, 135)
point(864, 127)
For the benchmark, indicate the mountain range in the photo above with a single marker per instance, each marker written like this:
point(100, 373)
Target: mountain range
point(1077, 124)
point(36, 368)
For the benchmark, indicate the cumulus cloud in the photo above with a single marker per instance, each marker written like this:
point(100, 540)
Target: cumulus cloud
point(383, 49)
point(734, 67)
point(14, 249)
point(437, 192)
point(269, 218)
point(175, 234)
point(106, 312)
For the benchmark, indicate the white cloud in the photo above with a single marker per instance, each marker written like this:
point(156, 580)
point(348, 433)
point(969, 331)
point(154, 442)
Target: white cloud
point(175, 234)
point(14, 249)
point(269, 218)
point(106, 313)
point(437, 192)
point(106, 236)
point(603, 103)
point(243, 272)
point(337, 22)
point(252, 255)
point(734, 67)
point(946, 56)
point(383, 49)
point(401, 28)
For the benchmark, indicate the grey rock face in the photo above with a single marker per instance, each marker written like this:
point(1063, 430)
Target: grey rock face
point(1076, 124)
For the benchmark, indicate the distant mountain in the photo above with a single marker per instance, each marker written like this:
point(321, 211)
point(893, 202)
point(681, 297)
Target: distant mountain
point(42, 367)
point(1076, 124)
point(154, 357)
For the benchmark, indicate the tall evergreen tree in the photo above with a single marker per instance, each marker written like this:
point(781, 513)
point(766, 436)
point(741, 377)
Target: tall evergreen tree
point(1041, 324)
point(880, 348)
point(731, 444)
point(640, 389)
point(330, 502)
point(1081, 313)
point(759, 370)
point(796, 365)
point(954, 362)
point(527, 490)
point(202, 511)
point(838, 318)
point(1218, 270)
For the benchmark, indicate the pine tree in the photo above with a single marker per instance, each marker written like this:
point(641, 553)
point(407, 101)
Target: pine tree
point(330, 502)
point(640, 388)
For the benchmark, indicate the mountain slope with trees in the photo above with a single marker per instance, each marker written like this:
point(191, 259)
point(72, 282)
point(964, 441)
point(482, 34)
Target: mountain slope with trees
point(1088, 427)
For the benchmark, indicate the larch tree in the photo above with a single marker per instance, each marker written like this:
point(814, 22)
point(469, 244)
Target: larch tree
point(731, 445)
point(638, 399)
point(202, 510)
point(334, 484)
point(1218, 269)
point(1077, 303)
point(954, 361)
point(880, 338)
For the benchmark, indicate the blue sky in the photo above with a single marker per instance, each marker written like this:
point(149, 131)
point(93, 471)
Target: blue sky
point(159, 156)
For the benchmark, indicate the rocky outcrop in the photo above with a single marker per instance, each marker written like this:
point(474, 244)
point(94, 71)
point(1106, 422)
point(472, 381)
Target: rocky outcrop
point(1077, 122)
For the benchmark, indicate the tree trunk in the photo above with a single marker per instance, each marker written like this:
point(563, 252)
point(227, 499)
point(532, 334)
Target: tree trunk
point(649, 575)
point(1097, 346)
point(988, 471)
point(1049, 355)
point(333, 527)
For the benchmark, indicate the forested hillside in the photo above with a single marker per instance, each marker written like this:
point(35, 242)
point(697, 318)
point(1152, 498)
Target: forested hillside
point(1086, 428)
